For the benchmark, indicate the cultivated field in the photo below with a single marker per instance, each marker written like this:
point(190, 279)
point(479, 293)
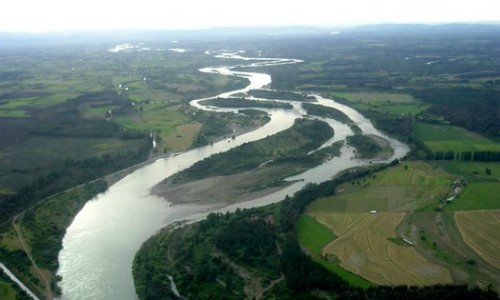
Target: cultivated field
point(368, 218)
point(364, 247)
point(480, 231)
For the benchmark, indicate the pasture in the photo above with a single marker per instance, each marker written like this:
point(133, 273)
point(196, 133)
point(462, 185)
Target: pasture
point(484, 195)
point(407, 186)
point(391, 103)
point(452, 138)
point(472, 171)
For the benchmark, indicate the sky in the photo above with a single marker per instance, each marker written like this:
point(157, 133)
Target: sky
point(67, 15)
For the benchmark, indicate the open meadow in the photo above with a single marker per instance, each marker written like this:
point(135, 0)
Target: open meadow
point(451, 138)
point(404, 187)
point(391, 103)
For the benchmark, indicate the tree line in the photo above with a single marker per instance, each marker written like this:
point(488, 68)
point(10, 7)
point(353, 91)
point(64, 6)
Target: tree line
point(467, 155)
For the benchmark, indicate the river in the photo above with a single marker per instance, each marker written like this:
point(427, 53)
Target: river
point(100, 244)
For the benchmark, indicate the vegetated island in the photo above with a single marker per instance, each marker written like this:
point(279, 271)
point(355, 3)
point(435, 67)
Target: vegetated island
point(330, 112)
point(281, 95)
point(245, 103)
point(252, 169)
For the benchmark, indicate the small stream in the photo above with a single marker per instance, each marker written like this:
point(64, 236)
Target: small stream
point(99, 246)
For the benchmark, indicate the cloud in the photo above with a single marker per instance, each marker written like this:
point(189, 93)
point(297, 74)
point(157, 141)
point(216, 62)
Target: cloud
point(35, 15)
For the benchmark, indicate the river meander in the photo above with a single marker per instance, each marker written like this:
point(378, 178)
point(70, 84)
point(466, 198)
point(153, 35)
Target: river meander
point(99, 246)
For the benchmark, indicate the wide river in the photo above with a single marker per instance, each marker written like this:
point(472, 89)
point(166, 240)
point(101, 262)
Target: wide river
point(99, 246)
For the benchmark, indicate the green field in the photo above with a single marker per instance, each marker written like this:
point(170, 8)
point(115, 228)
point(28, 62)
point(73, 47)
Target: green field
point(407, 186)
point(452, 138)
point(481, 189)
point(315, 236)
point(477, 196)
point(392, 103)
point(7, 292)
point(472, 171)
point(376, 97)
point(312, 234)
point(154, 117)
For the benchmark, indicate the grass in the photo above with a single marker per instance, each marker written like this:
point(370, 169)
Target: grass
point(472, 171)
point(376, 97)
point(13, 114)
point(480, 231)
point(174, 128)
point(391, 103)
point(452, 138)
point(16, 103)
point(56, 98)
point(312, 234)
point(477, 196)
point(7, 292)
point(407, 186)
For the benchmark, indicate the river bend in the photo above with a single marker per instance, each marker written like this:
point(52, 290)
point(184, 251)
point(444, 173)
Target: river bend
point(100, 244)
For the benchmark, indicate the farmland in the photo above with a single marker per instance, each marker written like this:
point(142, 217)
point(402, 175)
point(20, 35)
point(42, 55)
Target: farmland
point(452, 138)
point(391, 103)
point(364, 247)
point(481, 190)
point(407, 186)
point(480, 231)
point(369, 217)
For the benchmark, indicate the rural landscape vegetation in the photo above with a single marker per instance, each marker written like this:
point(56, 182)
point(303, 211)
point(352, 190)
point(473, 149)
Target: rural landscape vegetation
point(77, 117)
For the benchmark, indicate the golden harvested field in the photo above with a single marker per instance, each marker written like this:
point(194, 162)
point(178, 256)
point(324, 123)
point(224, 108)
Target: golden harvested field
point(480, 231)
point(362, 247)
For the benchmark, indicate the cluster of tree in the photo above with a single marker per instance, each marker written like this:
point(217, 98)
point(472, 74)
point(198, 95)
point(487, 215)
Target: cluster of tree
point(399, 126)
point(467, 155)
point(365, 146)
point(242, 103)
point(250, 241)
point(474, 109)
point(327, 112)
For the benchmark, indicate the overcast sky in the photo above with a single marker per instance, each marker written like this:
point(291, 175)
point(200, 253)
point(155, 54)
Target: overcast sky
point(62, 15)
